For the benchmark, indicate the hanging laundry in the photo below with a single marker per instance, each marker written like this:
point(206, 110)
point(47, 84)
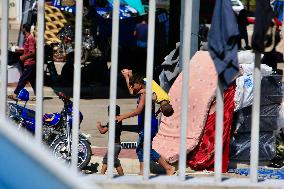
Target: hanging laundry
point(202, 77)
point(223, 42)
point(280, 45)
point(263, 34)
point(171, 69)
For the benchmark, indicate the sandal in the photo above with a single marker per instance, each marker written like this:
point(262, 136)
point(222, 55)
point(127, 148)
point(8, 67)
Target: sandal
point(12, 97)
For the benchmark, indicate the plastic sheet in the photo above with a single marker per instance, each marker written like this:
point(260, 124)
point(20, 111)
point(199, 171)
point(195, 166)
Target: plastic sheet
point(240, 146)
point(268, 118)
point(272, 85)
point(271, 118)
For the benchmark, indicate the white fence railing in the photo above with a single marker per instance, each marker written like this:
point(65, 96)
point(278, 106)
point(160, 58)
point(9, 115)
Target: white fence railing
point(185, 50)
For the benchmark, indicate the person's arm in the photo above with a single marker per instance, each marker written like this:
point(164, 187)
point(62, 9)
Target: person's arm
point(154, 97)
point(135, 112)
point(27, 56)
point(19, 50)
point(127, 74)
point(102, 129)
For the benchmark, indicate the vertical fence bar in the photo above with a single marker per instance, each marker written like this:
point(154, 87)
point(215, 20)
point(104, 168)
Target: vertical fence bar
point(113, 86)
point(39, 69)
point(185, 56)
point(219, 132)
point(4, 57)
point(77, 83)
point(255, 120)
point(149, 76)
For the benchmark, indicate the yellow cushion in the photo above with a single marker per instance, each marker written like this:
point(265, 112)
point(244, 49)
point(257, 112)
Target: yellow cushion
point(160, 93)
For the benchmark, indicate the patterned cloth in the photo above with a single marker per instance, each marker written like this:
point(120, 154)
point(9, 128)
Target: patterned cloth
point(202, 157)
point(202, 87)
point(263, 173)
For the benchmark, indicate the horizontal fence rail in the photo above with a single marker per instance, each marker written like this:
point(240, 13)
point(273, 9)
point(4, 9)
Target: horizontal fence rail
point(186, 20)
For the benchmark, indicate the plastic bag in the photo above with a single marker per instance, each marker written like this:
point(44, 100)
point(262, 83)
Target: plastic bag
point(271, 91)
point(244, 92)
point(246, 57)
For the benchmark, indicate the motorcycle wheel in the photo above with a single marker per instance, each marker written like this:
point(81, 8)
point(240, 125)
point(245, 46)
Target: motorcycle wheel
point(59, 150)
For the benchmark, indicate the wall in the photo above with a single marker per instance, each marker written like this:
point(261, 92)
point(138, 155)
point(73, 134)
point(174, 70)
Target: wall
point(14, 9)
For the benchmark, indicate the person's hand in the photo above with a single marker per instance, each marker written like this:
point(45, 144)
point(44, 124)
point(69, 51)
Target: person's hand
point(129, 73)
point(154, 97)
point(19, 50)
point(22, 58)
point(124, 72)
point(119, 118)
point(98, 124)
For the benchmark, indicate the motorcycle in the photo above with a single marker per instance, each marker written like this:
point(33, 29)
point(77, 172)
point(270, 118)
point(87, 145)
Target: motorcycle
point(56, 129)
point(67, 37)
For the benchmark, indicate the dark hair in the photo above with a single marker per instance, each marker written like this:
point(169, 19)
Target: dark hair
point(167, 109)
point(27, 27)
point(144, 18)
point(136, 78)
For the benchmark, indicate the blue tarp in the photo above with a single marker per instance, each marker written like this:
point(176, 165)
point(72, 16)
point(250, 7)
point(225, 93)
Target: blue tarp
point(136, 4)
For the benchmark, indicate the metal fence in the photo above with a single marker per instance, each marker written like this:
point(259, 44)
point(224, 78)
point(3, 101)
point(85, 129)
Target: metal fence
point(184, 54)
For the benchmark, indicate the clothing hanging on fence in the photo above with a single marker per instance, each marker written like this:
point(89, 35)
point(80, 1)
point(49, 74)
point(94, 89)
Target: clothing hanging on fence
point(202, 157)
point(263, 33)
point(280, 45)
point(223, 42)
point(202, 77)
point(171, 69)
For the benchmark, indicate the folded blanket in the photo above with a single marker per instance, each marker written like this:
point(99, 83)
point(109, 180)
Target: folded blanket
point(202, 88)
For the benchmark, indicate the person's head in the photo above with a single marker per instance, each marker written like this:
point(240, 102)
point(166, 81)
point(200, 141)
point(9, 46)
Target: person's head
point(26, 28)
point(144, 18)
point(166, 109)
point(136, 83)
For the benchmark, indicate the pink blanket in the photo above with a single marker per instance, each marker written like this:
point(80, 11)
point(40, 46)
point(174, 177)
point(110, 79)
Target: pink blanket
point(203, 83)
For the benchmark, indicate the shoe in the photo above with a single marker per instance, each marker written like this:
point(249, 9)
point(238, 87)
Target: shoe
point(247, 47)
point(13, 97)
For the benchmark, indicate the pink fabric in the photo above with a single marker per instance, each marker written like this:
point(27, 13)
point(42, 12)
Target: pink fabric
point(203, 83)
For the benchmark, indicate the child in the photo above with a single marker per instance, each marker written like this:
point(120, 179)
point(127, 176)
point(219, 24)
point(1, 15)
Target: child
point(117, 148)
point(137, 86)
point(159, 95)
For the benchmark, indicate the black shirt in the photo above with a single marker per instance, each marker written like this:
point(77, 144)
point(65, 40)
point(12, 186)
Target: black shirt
point(118, 130)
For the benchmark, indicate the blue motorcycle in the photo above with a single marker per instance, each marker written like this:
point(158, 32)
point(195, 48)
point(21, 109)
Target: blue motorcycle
point(56, 129)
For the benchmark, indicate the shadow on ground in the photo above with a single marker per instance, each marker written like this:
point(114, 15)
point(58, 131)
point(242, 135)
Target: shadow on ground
point(95, 81)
